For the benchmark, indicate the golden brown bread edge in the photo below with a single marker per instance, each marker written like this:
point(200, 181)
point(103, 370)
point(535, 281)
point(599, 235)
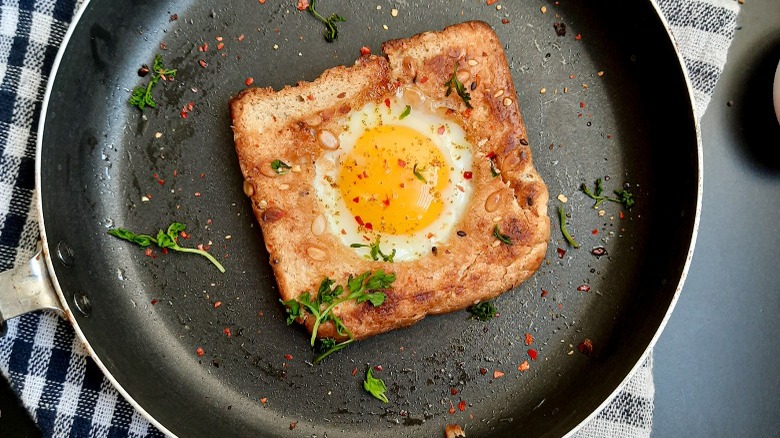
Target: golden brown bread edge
point(287, 124)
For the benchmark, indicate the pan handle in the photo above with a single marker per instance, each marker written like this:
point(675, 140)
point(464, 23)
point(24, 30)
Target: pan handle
point(27, 288)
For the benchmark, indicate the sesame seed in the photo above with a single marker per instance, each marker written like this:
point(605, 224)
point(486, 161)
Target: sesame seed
point(394, 12)
point(507, 101)
point(498, 93)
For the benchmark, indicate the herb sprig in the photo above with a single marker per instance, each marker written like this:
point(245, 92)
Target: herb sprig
point(459, 87)
point(366, 287)
point(624, 196)
point(566, 235)
point(419, 175)
point(142, 95)
point(407, 110)
point(483, 311)
point(280, 167)
point(375, 387)
point(375, 251)
point(502, 237)
point(331, 31)
point(164, 239)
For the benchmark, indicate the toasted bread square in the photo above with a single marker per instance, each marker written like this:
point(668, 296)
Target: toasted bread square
point(469, 266)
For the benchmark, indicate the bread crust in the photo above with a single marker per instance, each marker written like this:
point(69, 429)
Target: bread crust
point(468, 267)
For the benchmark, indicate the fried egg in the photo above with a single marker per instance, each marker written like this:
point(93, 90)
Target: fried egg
point(398, 180)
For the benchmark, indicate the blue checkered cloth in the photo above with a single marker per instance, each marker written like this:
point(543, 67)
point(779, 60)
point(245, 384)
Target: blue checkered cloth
point(48, 368)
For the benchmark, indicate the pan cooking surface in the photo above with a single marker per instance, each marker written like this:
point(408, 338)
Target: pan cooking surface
point(105, 165)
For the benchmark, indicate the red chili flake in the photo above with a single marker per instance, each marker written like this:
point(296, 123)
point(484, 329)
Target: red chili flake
point(183, 113)
point(578, 37)
point(200, 352)
point(582, 104)
point(378, 368)
point(303, 4)
point(498, 374)
point(356, 199)
point(197, 194)
point(175, 173)
point(504, 21)
point(386, 201)
point(609, 136)
point(263, 400)
point(240, 37)
point(288, 356)
point(160, 181)
point(620, 215)
point(462, 405)
point(203, 48)
point(203, 63)
point(441, 130)
point(217, 304)
point(467, 175)
point(583, 288)
point(529, 339)
point(532, 354)
point(190, 106)
point(260, 313)
point(466, 113)
point(594, 232)
point(424, 79)
point(585, 347)
point(365, 51)
point(490, 2)
point(165, 250)
point(173, 17)
point(544, 293)
point(561, 253)
point(354, 371)
point(369, 226)
point(148, 252)
point(184, 235)
point(401, 163)
point(387, 102)
point(200, 247)
point(491, 155)
point(359, 221)
point(572, 76)
point(202, 175)
point(453, 390)
point(249, 81)
point(483, 371)
point(452, 408)
point(227, 332)
point(155, 301)
point(310, 97)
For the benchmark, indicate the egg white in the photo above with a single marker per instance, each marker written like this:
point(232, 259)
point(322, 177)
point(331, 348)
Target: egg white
point(453, 145)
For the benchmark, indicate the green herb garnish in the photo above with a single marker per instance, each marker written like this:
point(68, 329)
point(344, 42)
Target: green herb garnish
point(406, 112)
point(142, 96)
point(624, 196)
point(376, 252)
point(502, 237)
point(483, 311)
point(566, 235)
point(331, 31)
point(365, 287)
point(374, 386)
point(164, 239)
point(280, 167)
point(459, 87)
point(418, 174)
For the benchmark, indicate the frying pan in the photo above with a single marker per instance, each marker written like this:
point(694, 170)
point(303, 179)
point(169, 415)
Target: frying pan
point(142, 318)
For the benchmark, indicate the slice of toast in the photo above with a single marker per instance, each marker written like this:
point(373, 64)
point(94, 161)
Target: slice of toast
point(502, 236)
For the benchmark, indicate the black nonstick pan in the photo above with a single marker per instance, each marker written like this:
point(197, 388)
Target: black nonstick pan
point(606, 97)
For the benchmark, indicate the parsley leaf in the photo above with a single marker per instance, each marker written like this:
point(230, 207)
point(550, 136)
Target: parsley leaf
point(459, 87)
point(142, 95)
point(331, 31)
point(624, 196)
point(406, 112)
point(280, 167)
point(375, 252)
point(483, 311)
point(164, 239)
point(367, 286)
point(375, 387)
point(566, 235)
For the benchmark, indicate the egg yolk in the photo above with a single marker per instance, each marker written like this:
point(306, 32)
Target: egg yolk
point(392, 180)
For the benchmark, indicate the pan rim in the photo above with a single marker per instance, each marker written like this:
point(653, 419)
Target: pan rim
point(123, 392)
point(42, 227)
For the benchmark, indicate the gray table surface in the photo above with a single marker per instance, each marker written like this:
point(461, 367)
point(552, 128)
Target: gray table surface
point(716, 370)
point(715, 367)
